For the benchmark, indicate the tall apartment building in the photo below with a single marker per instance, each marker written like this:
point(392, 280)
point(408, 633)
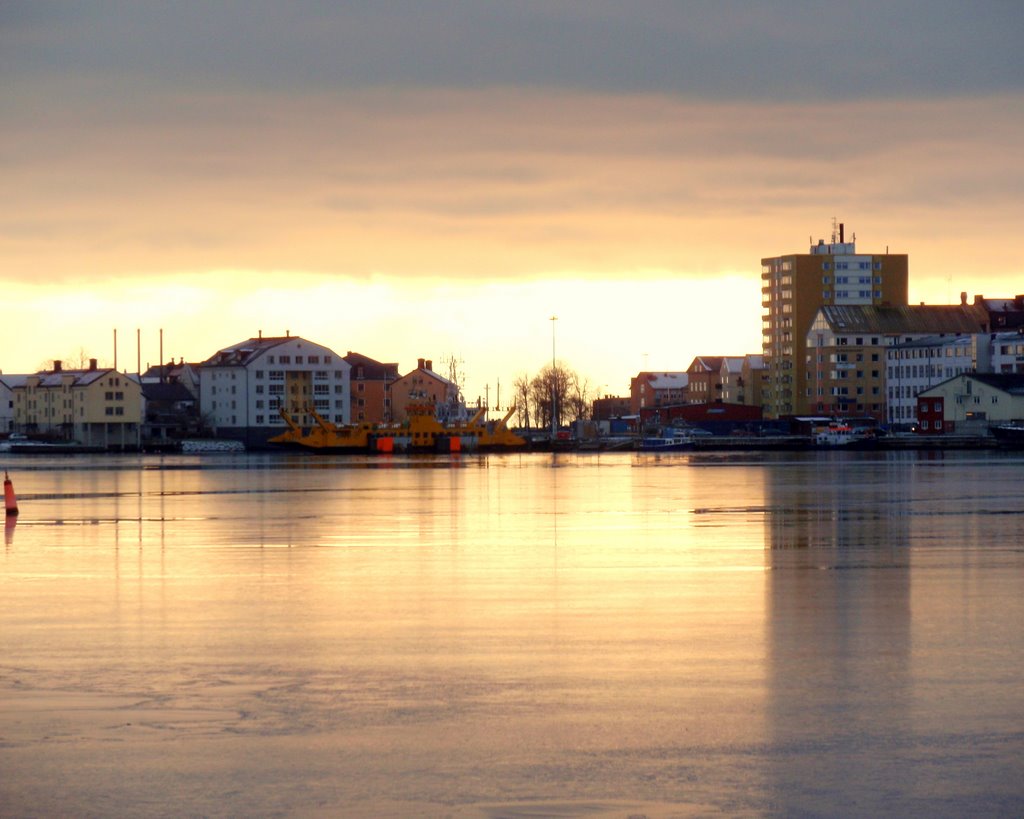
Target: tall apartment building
point(795, 286)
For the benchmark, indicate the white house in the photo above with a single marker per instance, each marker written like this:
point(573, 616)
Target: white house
point(8, 383)
point(243, 387)
point(971, 402)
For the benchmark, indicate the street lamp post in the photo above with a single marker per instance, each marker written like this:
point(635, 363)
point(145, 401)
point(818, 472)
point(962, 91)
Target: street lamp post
point(554, 390)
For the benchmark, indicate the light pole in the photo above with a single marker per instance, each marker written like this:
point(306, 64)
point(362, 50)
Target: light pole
point(554, 391)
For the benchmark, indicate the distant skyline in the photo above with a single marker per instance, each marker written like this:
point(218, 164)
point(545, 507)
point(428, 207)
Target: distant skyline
point(425, 179)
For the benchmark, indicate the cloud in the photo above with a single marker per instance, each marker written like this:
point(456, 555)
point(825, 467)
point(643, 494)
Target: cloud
point(710, 49)
point(107, 181)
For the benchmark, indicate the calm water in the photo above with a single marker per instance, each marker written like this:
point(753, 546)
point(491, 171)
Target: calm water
point(528, 635)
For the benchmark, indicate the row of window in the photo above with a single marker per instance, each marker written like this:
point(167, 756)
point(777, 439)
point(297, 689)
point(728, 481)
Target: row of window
point(287, 359)
point(851, 294)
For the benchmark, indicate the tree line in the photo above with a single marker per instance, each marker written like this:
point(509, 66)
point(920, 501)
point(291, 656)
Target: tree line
point(555, 384)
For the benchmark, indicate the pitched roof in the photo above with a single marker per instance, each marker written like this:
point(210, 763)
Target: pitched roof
point(709, 363)
point(245, 352)
point(904, 319)
point(1011, 383)
point(669, 381)
point(55, 378)
point(373, 370)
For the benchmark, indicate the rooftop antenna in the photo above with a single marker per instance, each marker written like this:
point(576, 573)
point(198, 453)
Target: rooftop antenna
point(833, 230)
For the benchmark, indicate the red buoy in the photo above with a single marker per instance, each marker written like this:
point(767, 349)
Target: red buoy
point(10, 501)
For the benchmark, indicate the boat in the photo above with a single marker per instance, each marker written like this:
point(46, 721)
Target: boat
point(421, 433)
point(1009, 434)
point(838, 434)
point(673, 439)
point(325, 436)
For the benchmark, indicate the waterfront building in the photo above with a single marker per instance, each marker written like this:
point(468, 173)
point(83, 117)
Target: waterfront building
point(752, 379)
point(704, 380)
point(243, 387)
point(370, 388)
point(918, 364)
point(735, 378)
point(716, 417)
point(169, 412)
point(1008, 352)
point(609, 407)
point(96, 406)
point(7, 385)
point(424, 386)
point(794, 286)
point(846, 352)
point(730, 376)
point(656, 389)
point(183, 372)
point(969, 403)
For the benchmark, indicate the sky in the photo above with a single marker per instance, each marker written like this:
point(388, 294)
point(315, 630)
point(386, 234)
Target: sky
point(413, 179)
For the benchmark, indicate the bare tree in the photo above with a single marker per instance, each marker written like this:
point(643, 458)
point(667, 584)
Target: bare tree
point(521, 397)
point(564, 387)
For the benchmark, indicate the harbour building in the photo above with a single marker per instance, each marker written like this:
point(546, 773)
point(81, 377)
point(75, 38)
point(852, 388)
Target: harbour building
point(794, 287)
point(243, 387)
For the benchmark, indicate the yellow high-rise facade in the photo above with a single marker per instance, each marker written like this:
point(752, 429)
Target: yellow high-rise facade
point(794, 287)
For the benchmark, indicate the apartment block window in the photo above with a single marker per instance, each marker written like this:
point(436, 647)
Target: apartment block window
point(284, 359)
point(118, 410)
point(825, 294)
point(826, 266)
point(259, 374)
point(298, 359)
point(109, 410)
point(313, 359)
point(259, 419)
point(327, 359)
point(270, 359)
point(109, 396)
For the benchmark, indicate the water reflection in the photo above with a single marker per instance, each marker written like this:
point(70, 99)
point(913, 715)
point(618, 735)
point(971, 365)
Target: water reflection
point(515, 635)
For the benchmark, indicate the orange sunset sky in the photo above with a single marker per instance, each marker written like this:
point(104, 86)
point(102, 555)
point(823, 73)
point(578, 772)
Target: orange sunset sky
point(426, 179)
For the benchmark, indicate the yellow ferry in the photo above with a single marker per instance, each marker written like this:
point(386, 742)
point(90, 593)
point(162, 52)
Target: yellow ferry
point(421, 433)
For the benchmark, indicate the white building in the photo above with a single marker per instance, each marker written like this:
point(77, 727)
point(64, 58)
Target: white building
point(8, 383)
point(916, 365)
point(243, 387)
point(1008, 353)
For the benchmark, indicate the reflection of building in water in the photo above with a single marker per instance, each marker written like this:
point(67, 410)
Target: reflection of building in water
point(837, 629)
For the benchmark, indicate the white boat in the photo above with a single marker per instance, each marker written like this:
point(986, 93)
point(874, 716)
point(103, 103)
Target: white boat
point(838, 434)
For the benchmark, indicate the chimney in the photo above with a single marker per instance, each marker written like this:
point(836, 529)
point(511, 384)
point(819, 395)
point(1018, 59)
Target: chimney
point(430, 365)
point(841, 238)
point(58, 366)
point(963, 298)
point(419, 363)
point(92, 365)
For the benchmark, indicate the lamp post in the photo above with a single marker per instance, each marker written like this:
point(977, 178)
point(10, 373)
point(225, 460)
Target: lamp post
point(554, 390)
